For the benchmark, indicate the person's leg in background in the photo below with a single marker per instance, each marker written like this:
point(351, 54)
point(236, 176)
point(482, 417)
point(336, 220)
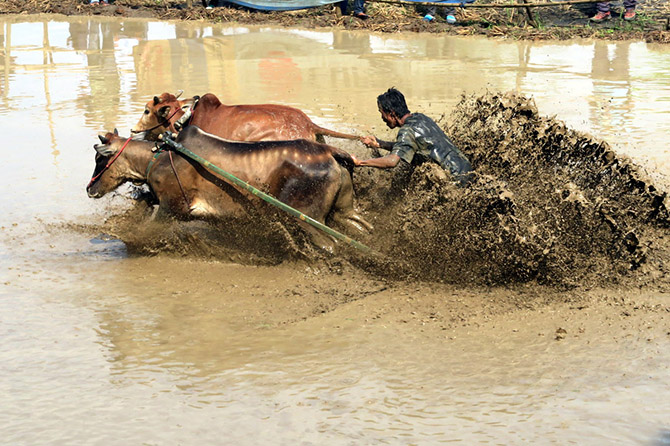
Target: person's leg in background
point(359, 9)
point(603, 12)
point(629, 5)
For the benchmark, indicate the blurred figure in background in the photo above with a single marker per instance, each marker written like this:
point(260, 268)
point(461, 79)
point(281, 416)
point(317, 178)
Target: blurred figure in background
point(359, 9)
point(449, 12)
point(604, 13)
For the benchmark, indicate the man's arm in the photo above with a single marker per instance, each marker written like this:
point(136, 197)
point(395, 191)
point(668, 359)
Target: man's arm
point(385, 162)
point(377, 143)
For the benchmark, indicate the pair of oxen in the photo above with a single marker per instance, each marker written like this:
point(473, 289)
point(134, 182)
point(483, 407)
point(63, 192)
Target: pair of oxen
point(275, 148)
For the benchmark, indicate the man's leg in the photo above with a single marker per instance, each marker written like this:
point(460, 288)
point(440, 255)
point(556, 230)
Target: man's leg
point(431, 13)
point(603, 12)
point(344, 7)
point(359, 9)
point(450, 16)
point(630, 9)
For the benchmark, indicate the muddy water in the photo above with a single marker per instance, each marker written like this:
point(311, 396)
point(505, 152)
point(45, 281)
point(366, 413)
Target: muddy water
point(100, 348)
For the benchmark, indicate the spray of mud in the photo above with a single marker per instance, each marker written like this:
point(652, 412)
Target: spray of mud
point(267, 238)
point(548, 204)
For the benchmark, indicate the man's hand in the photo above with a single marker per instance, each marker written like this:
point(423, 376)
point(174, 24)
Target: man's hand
point(370, 141)
point(356, 161)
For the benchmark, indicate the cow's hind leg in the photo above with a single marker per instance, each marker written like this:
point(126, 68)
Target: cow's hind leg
point(313, 203)
point(344, 212)
point(319, 238)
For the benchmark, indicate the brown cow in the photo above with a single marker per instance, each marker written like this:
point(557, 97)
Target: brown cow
point(262, 122)
point(303, 174)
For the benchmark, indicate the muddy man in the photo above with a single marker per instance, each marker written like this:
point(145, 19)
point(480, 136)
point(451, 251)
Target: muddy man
point(419, 139)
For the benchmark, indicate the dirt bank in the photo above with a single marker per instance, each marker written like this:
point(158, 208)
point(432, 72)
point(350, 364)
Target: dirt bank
point(562, 22)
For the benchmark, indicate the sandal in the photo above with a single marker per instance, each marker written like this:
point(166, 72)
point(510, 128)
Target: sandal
point(361, 15)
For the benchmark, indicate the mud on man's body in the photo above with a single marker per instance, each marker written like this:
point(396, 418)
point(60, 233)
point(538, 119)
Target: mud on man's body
point(419, 140)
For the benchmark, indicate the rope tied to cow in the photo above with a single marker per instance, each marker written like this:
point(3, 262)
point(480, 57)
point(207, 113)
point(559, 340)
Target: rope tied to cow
point(96, 177)
point(158, 151)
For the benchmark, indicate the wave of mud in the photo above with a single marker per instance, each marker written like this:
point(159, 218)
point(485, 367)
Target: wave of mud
point(267, 238)
point(548, 204)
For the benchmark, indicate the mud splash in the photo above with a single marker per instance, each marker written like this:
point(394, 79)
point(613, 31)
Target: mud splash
point(266, 238)
point(548, 204)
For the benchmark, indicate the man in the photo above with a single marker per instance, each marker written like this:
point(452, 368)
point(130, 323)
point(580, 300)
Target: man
point(605, 14)
point(419, 139)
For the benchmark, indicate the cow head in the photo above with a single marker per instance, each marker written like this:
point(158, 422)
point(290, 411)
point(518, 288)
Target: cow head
point(159, 113)
point(107, 177)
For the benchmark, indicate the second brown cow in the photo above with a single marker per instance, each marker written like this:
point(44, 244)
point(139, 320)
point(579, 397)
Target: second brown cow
point(249, 122)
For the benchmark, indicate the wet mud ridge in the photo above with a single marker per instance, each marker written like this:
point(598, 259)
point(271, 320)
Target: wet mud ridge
point(548, 204)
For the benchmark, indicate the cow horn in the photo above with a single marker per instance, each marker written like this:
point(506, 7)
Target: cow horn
point(179, 93)
point(116, 132)
point(157, 100)
point(103, 139)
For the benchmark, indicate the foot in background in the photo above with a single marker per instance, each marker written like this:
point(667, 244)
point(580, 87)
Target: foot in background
point(629, 14)
point(601, 17)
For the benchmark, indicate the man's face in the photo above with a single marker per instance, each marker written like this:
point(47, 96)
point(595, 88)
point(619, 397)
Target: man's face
point(389, 118)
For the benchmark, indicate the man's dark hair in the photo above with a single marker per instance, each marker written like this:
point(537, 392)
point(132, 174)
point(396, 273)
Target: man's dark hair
point(393, 102)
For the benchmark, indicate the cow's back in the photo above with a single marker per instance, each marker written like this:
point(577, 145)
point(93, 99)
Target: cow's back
point(252, 122)
point(268, 165)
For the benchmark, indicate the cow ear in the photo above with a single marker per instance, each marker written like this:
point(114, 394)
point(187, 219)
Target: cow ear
point(157, 100)
point(163, 111)
point(103, 139)
point(104, 149)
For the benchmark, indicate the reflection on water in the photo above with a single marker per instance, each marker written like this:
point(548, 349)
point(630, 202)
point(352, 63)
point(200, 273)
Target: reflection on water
point(105, 69)
point(101, 349)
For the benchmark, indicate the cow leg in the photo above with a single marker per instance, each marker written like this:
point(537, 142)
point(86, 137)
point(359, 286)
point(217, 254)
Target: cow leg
point(160, 214)
point(344, 212)
point(319, 238)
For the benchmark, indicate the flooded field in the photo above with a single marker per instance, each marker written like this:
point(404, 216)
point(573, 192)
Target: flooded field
point(102, 347)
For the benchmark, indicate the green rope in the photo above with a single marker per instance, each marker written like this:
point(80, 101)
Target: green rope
point(268, 198)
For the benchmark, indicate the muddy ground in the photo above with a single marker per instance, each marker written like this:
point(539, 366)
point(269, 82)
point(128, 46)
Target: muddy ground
point(560, 22)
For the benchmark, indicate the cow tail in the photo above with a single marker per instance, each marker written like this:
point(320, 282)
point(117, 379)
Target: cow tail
point(327, 132)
